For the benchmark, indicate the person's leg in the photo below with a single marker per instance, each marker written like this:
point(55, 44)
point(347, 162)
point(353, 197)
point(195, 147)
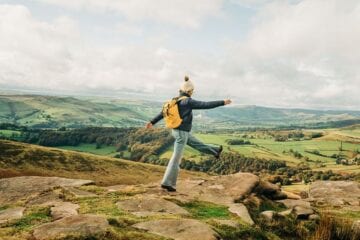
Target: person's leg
point(202, 147)
point(172, 169)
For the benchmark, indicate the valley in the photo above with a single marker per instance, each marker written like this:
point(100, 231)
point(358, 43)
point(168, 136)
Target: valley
point(102, 148)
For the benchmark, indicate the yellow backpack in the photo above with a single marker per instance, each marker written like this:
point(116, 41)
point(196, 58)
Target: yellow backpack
point(171, 113)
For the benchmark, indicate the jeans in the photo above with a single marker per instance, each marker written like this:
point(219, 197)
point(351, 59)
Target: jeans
point(181, 139)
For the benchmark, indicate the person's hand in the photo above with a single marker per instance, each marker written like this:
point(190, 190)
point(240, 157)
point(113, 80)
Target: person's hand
point(148, 125)
point(227, 101)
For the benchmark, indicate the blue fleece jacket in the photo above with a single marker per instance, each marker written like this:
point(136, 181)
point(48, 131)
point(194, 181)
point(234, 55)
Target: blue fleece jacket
point(185, 110)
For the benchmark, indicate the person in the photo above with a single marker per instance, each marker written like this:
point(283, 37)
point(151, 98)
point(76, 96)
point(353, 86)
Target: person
point(182, 133)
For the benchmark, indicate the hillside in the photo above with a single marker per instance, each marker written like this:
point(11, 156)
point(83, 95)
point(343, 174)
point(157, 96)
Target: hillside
point(19, 159)
point(55, 111)
point(45, 189)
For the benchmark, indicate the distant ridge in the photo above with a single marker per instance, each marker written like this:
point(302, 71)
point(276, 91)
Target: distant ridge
point(40, 111)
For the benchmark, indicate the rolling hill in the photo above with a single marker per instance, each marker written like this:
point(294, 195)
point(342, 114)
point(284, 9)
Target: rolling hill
point(55, 111)
point(21, 159)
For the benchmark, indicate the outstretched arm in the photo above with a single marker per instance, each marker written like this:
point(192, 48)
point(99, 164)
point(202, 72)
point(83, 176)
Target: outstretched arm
point(207, 105)
point(154, 120)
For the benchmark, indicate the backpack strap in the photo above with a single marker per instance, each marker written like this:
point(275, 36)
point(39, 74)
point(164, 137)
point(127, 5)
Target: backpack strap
point(178, 99)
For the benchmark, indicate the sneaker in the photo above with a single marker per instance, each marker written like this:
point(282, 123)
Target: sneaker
point(217, 156)
point(168, 188)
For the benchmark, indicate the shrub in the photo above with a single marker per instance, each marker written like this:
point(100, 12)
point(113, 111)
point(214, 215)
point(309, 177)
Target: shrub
point(333, 228)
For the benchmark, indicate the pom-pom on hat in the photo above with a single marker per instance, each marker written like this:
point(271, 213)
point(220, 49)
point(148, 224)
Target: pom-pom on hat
point(187, 86)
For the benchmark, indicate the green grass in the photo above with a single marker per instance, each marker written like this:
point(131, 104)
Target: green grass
point(103, 205)
point(243, 232)
point(352, 133)
point(9, 133)
point(206, 210)
point(3, 207)
point(354, 215)
point(21, 158)
point(189, 153)
point(91, 148)
point(33, 217)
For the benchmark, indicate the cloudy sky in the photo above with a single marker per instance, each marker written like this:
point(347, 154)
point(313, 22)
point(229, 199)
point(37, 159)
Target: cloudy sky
point(295, 53)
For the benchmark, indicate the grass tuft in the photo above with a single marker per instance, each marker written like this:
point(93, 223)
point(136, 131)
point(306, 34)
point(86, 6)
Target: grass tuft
point(34, 216)
point(334, 228)
point(206, 210)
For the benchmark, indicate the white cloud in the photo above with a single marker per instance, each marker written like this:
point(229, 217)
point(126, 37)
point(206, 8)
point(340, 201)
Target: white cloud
point(129, 29)
point(304, 53)
point(37, 54)
point(178, 12)
point(250, 3)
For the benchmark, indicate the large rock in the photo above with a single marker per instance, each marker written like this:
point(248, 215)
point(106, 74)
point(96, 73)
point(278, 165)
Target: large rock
point(268, 215)
point(302, 212)
point(286, 212)
point(291, 203)
point(64, 209)
point(335, 193)
point(47, 198)
point(290, 195)
point(241, 211)
point(21, 188)
point(85, 226)
point(270, 190)
point(149, 205)
point(11, 214)
point(238, 185)
point(77, 193)
point(179, 229)
point(220, 189)
point(125, 188)
point(314, 217)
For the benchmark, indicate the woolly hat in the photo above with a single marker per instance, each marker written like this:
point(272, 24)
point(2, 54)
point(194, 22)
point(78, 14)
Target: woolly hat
point(187, 86)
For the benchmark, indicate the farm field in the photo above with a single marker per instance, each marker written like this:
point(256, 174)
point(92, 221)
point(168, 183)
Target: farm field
point(318, 152)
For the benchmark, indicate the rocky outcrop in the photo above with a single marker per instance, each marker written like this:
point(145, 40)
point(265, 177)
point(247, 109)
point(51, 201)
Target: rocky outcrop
point(21, 188)
point(77, 193)
point(73, 227)
point(291, 203)
point(270, 190)
point(300, 208)
point(290, 195)
point(150, 205)
point(179, 229)
point(268, 215)
point(220, 189)
point(335, 193)
point(302, 212)
point(64, 209)
point(237, 194)
point(240, 210)
point(11, 214)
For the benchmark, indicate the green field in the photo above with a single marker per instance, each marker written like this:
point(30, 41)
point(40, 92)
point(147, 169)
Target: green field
point(264, 146)
point(91, 148)
point(9, 133)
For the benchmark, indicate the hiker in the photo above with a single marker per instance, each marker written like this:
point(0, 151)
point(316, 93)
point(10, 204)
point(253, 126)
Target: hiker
point(181, 131)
